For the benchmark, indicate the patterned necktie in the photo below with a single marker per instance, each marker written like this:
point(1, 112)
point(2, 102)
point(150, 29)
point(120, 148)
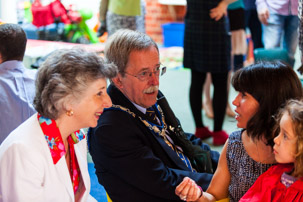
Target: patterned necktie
point(150, 112)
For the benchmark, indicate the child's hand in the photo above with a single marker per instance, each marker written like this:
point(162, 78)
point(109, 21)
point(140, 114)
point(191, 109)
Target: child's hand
point(188, 190)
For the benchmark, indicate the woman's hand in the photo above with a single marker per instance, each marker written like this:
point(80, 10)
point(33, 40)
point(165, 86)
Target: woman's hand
point(188, 190)
point(218, 12)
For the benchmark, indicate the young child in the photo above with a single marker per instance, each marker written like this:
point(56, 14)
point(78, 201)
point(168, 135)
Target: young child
point(284, 181)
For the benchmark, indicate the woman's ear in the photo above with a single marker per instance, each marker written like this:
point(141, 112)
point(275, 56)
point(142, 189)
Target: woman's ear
point(69, 103)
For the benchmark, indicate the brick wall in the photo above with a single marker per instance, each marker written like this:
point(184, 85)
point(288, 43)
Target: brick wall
point(158, 14)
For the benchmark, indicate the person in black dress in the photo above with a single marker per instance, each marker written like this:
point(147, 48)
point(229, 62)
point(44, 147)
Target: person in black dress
point(207, 49)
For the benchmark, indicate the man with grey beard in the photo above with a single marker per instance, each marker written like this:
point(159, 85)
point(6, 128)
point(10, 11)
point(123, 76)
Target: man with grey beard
point(139, 148)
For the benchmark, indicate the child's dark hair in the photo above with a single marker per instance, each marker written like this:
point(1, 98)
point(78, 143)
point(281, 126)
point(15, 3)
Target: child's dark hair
point(294, 108)
point(271, 84)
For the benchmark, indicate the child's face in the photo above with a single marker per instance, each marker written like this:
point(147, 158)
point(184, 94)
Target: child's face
point(285, 142)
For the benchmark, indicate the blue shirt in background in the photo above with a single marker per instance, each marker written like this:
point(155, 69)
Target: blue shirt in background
point(17, 91)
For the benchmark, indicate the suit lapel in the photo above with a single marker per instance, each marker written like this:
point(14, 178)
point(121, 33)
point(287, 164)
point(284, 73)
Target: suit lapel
point(63, 173)
point(172, 154)
point(60, 167)
point(82, 161)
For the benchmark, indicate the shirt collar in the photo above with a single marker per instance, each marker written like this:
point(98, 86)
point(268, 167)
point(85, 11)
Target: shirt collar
point(54, 139)
point(141, 109)
point(10, 65)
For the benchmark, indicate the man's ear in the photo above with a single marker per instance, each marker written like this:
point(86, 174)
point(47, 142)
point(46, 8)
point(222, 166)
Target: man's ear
point(118, 81)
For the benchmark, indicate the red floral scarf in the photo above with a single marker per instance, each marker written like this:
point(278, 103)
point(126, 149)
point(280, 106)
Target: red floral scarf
point(55, 143)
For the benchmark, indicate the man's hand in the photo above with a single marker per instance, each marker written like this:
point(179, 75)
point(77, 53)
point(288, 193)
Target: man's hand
point(188, 190)
point(263, 16)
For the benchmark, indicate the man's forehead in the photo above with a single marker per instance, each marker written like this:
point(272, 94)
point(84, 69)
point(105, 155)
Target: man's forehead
point(143, 59)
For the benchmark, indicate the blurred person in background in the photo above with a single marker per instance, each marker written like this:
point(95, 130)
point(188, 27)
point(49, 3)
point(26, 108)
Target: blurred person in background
point(17, 83)
point(121, 14)
point(207, 50)
point(280, 23)
point(253, 23)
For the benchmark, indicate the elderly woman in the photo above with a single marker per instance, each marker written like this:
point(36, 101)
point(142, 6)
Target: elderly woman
point(45, 158)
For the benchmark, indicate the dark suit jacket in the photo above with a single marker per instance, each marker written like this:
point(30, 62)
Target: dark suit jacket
point(132, 163)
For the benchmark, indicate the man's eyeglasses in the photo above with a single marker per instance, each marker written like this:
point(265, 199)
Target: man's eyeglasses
point(145, 75)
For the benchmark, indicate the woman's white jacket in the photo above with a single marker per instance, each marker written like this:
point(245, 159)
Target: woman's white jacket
point(27, 171)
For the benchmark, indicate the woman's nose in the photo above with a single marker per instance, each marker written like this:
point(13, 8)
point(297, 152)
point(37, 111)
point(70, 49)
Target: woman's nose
point(235, 102)
point(107, 101)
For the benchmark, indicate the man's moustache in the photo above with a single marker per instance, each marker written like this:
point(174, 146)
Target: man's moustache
point(151, 89)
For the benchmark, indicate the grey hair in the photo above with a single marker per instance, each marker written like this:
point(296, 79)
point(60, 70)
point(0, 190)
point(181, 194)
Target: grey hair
point(122, 43)
point(64, 76)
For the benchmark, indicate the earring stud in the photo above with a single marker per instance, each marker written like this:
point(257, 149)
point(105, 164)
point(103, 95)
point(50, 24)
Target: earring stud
point(70, 113)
